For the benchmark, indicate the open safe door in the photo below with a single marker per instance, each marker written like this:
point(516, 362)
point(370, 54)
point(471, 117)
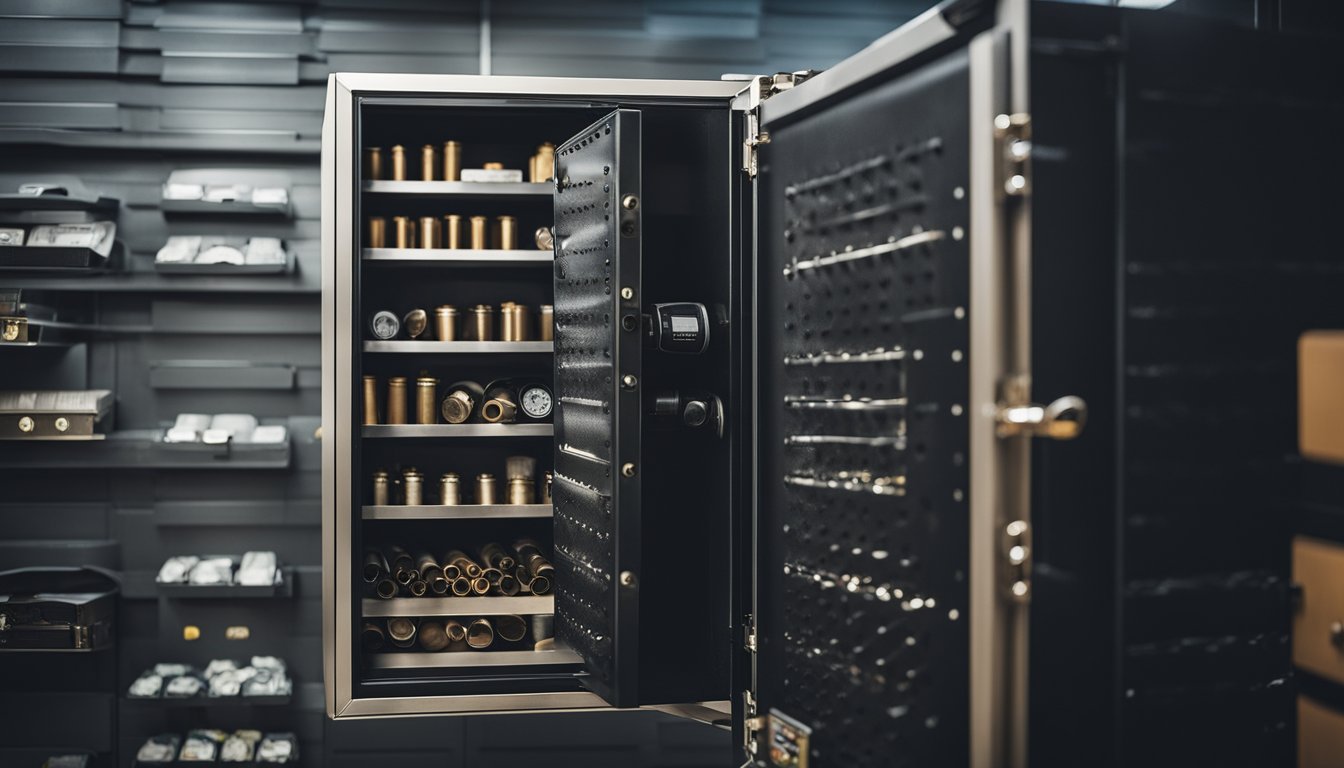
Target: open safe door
point(597, 418)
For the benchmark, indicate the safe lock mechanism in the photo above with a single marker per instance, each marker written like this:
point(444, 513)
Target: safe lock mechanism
point(693, 411)
point(681, 328)
point(1016, 415)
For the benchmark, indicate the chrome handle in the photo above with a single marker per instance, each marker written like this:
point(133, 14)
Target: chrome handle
point(1063, 419)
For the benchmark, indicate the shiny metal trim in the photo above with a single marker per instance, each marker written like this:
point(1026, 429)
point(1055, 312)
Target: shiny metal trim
point(915, 36)
point(329, 660)
point(715, 713)
point(486, 86)
point(472, 705)
point(909, 241)
point(336, 387)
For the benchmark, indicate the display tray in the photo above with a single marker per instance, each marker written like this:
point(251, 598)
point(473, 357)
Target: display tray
point(178, 268)
point(284, 587)
point(229, 208)
point(523, 605)
point(53, 259)
point(460, 257)
point(469, 658)
point(462, 188)
point(460, 347)
point(457, 430)
point(199, 763)
point(210, 702)
point(454, 512)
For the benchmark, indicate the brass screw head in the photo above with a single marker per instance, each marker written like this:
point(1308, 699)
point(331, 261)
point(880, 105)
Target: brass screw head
point(630, 202)
point(628, 469)
point(627, 293)
point(629, 381)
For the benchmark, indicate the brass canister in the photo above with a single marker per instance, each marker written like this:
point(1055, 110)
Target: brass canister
point(483, 322)
point(520, 490)
point(506, 233)
point(485, 488)
point(478, 233)
point(415, 323)
point(445, 322)
point(508, 331)
point(429, 161)
point(398, 163)
point(377, 232)
point(413, 486)
point(546, 481)
point(403, 232)
point(521, 322)
point(429, 232)
point(380, 488)
point(373, 163)
point(426, 400)
point(547, 323)
point(370, 399)
point(544, 238)
point(452, 231)
point(543, 163)
point(450, 489)
point(452, 161)
point(396, 400)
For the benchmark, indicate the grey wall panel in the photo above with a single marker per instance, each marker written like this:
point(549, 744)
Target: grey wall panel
point(266, 70)
point(68, 9)
point(60, 32)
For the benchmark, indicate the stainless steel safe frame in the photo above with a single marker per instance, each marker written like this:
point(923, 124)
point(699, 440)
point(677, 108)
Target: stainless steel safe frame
point(1000, 416)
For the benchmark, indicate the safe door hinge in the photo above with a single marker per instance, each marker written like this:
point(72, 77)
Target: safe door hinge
point(762, 88)
point(752, 727)
point(1012, 136)
point(749, 633)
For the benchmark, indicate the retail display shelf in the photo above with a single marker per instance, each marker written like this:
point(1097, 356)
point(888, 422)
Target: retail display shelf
point(283, 587)
point(461, 188)
point(142, 277)
point(141, 449)
point(460, 257)
point(461, 347)
point(208, 702)
point(457, 430)
point(468, 658)
point(523, 605)
point(454, 512)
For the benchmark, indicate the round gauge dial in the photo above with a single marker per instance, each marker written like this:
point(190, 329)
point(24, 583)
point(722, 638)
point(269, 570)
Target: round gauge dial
point(385, 325)
point(536, 401)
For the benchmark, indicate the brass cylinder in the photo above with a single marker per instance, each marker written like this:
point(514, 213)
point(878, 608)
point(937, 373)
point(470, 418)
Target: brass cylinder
point(450, 489)
point(372, 637)
point(380, 488)
point(452, 161)
point(493, 166)
point(529, 555)
point(396, 400)
point(386, 588)
point(375, 566)
point(506, 233)
point(480, 586)
point(478, 233)
point(461, 586)
point(499, 410)
point(432, 635)
point(438, 584)
point(451, 572)
point(494, 555)
point(456, 632)
point(429, 232)
point(485, 488)
point(418, 587)
point(452, 231)
point(402, 631)
point(413, 486)
point(377, 232)
point(547, 323)
point(509, 585)
point(507, 330)
point(483, 322)
point(373, 163)
point(429, 162)
point(509, 628)
point(370, 399)
point(426, 400)
point(445, 322)
point(415, 322)
point(398, 163)
point(403, 232)
point(540, 585)
point(543, 163)
point(520, 490)
point(466, 566)
point(521, 322)
point(403, 567)
point(492, 575)
point(546, 481)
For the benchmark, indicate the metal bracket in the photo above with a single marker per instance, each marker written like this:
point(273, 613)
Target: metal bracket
point(1012, 135)
point(752, 725)
point(762, 88)
point(1016, 552)
point(749, 628)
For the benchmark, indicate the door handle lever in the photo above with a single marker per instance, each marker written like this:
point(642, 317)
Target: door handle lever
point(1063, 419)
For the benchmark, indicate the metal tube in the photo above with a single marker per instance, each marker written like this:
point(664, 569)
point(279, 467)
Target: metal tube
point(508, 331)
point(451, 572)
point(546, 481)
point(429, 162)
point(373, 163)
point(499, 410)
point(433, 635)
point(419, 587)
point(456, 632)
point(372, 637)
point(547, 323)
point(403, 232)
point(529, 554)
point(509, 585)
point(402, 631)
point(398, 163)
point(401, 561)
point(377, 232)
point(386, 588)
point(510, 628)
point(452, 231)
point(480, 634)
point(438, 584)
point(468, 567)
point(445, 322)
point(543, 163)
point(396, 400)
point(494, 555)
point(478, 233)
point(521, 322)
point(452, 161)
point(461, 586)
point(485, 488)
point(540, 585)
point(380, 488)
point(450, 489)
point(429, 232)
point(520, 490)
point(543, 627)
point(370, 399)
point(375, 566)
point(480, 585)
point(483, 322)
point(413, 486)
point(506, 233)
point(426, 566)
point(492, 575)
point(426, 400)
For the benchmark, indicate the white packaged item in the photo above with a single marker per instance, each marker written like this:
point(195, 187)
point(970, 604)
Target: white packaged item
point(265, 250)
point(216, 570)
point(269, 434)
point(180, 249)
point(257, 570)
point(175, 569)
point(221, 250)
point(146, 686)
point(183, 687)
point(239, 425)
point(491, 175)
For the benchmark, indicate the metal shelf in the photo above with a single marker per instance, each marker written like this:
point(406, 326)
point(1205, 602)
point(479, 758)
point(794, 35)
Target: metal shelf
point(455, 512)
point(458, 430)
point(141, 449)
point(461, 347)
point(459, 606)
point(440, 659)
point(460, 257)
point(461, 188)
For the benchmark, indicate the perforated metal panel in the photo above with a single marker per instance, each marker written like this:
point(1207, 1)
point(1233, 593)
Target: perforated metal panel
point(863, 512)
point(597, 341)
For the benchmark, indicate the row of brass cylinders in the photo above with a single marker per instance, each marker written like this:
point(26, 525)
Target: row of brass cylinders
point(464, 401)
point(518, 490)
point(448, 231)
point(436, 634)
point(445, 164)
point(497, 569)
point(514, 322)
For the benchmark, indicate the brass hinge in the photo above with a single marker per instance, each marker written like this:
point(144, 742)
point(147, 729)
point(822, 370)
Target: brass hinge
point(749, 633)
point(762, 88)
point(1012, 134)
point(752, 725)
